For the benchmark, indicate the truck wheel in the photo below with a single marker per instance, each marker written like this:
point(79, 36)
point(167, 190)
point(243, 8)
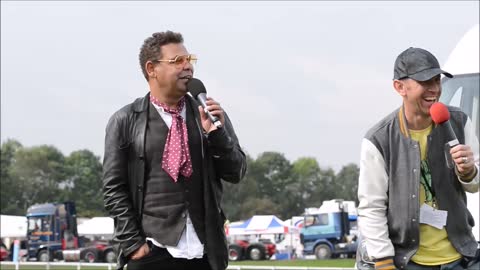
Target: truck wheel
point(256, 253)
point(110, 256)
point(323, 252)
point(44, 256)
point(90, 256)
point(235, 253)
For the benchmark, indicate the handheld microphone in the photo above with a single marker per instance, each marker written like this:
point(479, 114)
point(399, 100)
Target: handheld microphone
point(441, 116)
point(197, 90)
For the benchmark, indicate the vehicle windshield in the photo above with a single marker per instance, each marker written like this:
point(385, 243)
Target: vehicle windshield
point(321, 219)
point(462, 91)
point(38, 224)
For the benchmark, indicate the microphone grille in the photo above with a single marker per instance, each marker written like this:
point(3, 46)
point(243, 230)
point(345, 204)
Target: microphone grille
point(195, 87)
point(439, 113)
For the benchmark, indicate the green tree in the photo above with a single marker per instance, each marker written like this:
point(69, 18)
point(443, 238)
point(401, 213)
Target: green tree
point(236, 196)
point(10, 194)
point(307, 175)
point(262, 191)
point(274, 176)
point(326, 189)
point(347, 182)
point(258, 206)
point(83, 183)
point(273, 186)
point(273, 171)
point(38, 171)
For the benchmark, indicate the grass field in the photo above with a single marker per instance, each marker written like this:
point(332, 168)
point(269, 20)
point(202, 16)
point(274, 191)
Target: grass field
point(340, 263)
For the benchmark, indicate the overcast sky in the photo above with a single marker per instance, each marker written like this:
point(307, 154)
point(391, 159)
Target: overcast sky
point(300, 78)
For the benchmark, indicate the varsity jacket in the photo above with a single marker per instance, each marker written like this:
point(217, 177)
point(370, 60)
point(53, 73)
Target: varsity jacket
point(389, 188)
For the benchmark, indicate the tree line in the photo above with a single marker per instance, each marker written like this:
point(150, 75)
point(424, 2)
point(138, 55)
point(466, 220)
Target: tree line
point(272, 186)
point(275, 186)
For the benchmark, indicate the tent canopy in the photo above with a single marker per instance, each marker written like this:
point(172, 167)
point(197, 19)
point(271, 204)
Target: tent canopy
point(96, 226)
point(13, 226)
point(259, 225)
point(16, 226)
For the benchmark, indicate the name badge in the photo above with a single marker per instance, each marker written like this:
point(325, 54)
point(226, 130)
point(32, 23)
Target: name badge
point(433, 217)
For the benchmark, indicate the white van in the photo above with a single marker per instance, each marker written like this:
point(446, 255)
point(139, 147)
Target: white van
point(462, 91)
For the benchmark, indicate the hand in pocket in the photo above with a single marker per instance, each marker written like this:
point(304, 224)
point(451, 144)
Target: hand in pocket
point(140, 252)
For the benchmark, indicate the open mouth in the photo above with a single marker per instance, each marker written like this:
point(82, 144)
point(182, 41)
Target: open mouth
point(430, 99)
point(186, 77)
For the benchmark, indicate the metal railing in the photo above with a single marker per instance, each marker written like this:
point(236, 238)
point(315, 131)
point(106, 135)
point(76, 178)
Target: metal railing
point(111, 266)
point(71, 265)
point(266, 267)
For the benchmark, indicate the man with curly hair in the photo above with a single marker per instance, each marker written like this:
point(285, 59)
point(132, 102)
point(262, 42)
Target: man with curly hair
point(163, 168)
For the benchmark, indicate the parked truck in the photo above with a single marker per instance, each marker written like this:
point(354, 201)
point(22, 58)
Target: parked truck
point(327, 231)
point(52, 234)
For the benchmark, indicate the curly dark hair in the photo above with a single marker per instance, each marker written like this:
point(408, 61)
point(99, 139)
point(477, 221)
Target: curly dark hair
point(151, 48)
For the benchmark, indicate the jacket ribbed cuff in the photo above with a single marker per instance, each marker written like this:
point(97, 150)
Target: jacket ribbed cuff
point(469, 177)
point(385, 264)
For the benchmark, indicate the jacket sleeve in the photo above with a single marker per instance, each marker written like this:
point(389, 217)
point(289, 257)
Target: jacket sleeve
point(373, 198)
point(472, 141)
point(117, 200)
point(229, 159)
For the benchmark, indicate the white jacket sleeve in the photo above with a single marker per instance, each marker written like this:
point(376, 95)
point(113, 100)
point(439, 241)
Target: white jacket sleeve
point(373, 198)
point(472, 141)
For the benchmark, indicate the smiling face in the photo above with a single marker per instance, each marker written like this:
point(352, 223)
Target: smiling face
point(169, 78)
point(421, 95)
point(418, 96)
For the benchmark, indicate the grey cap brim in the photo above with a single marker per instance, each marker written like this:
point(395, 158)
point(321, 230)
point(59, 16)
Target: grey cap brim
point(427, 74)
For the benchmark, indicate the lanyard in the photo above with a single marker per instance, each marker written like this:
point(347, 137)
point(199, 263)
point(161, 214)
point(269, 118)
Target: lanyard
point(426, 183)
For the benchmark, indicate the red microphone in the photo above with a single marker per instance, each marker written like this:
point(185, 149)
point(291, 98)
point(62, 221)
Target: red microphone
point(441, 116)
point(439, 113)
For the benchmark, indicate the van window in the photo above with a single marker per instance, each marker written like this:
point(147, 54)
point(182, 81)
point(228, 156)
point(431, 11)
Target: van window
point(457, 98)
point(463, 91)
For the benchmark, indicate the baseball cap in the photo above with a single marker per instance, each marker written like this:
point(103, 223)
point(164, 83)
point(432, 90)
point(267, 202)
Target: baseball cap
point(417, 64)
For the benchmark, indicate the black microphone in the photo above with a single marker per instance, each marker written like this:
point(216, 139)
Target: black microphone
point(197, 90)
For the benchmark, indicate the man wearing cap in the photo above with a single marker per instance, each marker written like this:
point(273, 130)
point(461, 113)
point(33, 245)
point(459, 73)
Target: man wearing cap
point(412, 206)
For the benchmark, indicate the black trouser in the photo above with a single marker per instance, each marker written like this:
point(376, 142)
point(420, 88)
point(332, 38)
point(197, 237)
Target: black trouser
point(461, 264)
point(160, 259)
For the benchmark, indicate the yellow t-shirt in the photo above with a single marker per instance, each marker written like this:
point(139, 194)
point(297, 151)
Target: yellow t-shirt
point(434, 247)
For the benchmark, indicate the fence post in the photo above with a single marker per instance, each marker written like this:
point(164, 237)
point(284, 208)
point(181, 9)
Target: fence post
point(16, 251)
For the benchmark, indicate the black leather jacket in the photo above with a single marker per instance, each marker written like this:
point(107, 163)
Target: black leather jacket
point(123, 178)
